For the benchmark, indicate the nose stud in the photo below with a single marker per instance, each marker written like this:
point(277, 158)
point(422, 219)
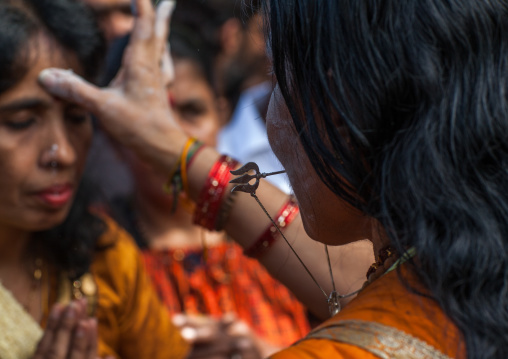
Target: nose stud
point(52, 155)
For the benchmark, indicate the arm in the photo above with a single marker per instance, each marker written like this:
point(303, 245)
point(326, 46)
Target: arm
point(135, 112)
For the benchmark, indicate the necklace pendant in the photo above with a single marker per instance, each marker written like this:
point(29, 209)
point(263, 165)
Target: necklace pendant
point(334, 303)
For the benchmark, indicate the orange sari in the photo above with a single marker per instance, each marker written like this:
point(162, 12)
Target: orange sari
point(132, 322)
point(384, 321)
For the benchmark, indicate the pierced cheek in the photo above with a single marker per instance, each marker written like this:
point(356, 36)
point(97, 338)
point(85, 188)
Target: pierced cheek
point(171, 100)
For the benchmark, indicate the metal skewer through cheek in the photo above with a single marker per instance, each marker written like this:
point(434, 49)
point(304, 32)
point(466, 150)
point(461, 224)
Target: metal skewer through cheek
point(243, 185)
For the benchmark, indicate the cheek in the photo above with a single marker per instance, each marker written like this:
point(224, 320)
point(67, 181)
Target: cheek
point(204, 129)
point(19, 155)
point(19, 169)
point(16, 168)
point(281, 135)
point(209, 132)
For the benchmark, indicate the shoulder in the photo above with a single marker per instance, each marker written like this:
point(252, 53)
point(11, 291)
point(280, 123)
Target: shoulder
point(117, 260)
point(115, 243)
point(318, 348)
point(386, 311)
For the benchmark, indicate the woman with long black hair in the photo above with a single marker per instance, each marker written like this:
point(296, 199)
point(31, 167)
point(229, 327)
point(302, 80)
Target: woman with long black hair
point(390, 119)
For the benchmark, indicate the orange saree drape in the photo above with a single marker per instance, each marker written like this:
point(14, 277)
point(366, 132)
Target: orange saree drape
point(386, 320)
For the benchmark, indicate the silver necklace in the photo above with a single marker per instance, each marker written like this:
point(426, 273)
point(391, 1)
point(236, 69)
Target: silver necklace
point(243, 185)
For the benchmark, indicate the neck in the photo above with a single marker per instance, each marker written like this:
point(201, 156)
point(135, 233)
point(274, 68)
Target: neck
point(379, 238)
point(13, 245)
point(166, 230)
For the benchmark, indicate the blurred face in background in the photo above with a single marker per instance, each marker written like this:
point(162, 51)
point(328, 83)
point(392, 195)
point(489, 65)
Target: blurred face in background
point(114, 16)
point(194, 102)
point(243, 62)
point(43, 145)
point(194, 105)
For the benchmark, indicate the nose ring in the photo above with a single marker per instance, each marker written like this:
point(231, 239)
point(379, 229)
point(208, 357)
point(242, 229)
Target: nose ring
point(53, 163)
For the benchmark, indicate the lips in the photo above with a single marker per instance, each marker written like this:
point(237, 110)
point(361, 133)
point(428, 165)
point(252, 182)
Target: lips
point(56, 196)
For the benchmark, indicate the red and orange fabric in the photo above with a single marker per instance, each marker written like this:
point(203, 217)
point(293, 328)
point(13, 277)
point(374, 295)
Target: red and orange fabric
point(386, 320)
point(227, 282)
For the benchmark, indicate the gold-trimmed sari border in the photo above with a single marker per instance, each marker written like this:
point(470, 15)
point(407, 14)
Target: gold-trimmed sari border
point(381, 340)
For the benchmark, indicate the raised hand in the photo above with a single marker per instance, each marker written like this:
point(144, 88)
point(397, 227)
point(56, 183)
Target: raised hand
point(134, 109)
point(69, 334)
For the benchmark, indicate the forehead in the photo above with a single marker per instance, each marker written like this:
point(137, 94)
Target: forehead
point(41, 53)
point(188, 69)
point(189, 82)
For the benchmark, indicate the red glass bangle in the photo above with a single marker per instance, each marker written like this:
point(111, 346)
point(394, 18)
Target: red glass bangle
point(286, 215)
point(209, 202)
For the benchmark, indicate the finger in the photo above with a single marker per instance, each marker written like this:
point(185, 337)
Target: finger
point(143, 29)
point(227, 320)
point(142, 7)
point(203, 334)
point(161, 28)
point(64, 332)
point(238, 329)
point(167, 68)
point(69, 86)
point(47, 339)
point(93, 339)
point(179, 320)
point(149, 34)
point(80, 341)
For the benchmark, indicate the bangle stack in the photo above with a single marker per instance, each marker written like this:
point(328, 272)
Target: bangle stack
point(177, 180)
point(286, 215)
point(208, 213)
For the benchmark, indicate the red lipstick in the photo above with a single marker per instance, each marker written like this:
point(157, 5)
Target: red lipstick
point(56, 196)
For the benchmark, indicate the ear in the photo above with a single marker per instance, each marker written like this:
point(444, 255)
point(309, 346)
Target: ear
point(231, 35)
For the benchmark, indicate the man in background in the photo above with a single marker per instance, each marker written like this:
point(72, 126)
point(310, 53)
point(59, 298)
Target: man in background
point(244, 77)
point(114, 16)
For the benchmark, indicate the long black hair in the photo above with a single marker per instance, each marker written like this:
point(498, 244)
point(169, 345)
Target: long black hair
point(71, 244)
point(412, 128)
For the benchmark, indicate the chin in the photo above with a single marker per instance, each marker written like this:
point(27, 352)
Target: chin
point(310, 228)
point(48, 220)
point(329, 235)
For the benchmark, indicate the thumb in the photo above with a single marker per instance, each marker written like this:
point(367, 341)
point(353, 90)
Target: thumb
point(66, 85)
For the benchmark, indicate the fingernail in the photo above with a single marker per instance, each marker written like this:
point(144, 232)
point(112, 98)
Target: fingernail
point(189, 334)
point(166, 8)
point(172, 5)
point(48, 77)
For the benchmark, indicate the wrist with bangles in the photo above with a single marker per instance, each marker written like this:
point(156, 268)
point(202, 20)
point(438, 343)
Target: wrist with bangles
point(214, 204)
point(284, 217)
point(177, 180)
point(211, 213)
